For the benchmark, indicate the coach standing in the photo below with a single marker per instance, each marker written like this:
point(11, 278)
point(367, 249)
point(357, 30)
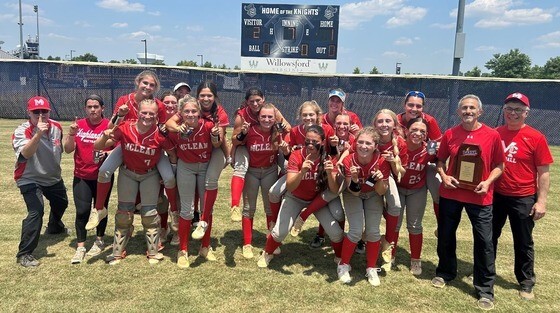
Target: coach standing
point(477, 203)
point(521, 192)
point(37, 144)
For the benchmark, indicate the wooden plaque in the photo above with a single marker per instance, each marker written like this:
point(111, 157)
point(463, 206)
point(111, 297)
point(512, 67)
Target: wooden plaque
point(468, 166)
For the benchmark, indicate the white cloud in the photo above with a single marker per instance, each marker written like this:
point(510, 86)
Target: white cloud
point(403, 41)
point(57, 36)
point(485, 48)
point(137, 35)
point(443, 26)
point(82, 24)
point(406, 16)
point(487, 7)
point(152, 28)
point(119, 25)
point(516, 18)
point(155, 13)
point(353, 14)
point(121, 5)
point(394, 55)
point(550, 40)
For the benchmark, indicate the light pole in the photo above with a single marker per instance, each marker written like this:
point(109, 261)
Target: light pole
point(20, 33)
point(145, 50)
point(201, 59)
point(71, 54)
point(36, 10)
point(459, 50)
point(398, 68)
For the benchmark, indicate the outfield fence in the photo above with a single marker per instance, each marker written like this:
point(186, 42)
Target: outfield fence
point(67, 84)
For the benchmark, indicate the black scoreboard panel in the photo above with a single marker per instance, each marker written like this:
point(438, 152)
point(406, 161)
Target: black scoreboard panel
point(289, 31)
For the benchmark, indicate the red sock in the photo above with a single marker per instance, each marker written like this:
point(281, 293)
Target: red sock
point(315, 205)
point(372, 252)
point(247, 227)
point(209, 200)
point(102, 194)
point(205, 242)
point(415, 245)
point(436, 211)
point(163, 219)
point(390, 228)
point(271, 244)
point(348, 248)
point(237, 184)
point(321, 231)
point(337, 248)
point(172, 197)
point(184, 231)
point(275, 208)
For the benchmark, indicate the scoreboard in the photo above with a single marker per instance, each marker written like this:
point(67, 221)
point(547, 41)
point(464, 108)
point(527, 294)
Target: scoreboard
point(289, 38)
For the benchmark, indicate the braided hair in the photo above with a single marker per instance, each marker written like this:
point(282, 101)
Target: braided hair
point(322, 181)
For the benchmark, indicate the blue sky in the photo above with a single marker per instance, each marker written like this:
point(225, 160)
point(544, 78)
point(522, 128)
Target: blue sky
point(417, 33)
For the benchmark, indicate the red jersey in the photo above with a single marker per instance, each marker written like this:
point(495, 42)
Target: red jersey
point(401, 144)
point(247, 114)
point(491, 153)
point(307, 188)
point(434, 132)
point(197, 147)
point(376, 163)
point(524, 150)
point(415, 175)
point(132, 114)
point(84, 167)
point(296, 136)
point(141, 152)
point(262, 151)
point(354, 119)
point(223, 119)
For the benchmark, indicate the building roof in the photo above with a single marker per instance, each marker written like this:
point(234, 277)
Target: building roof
point(5, 55)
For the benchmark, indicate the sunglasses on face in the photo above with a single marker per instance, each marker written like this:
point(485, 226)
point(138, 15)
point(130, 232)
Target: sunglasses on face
point(37, 112)
point(415, 94)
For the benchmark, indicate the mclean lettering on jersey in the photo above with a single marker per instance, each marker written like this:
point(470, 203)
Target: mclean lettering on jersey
point(193, 146)
point(310, 176)
point(140, 149)
point(261, 147)
point(415, 166)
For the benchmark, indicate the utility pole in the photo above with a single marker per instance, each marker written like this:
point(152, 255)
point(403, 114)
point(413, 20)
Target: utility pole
point(36, 10)
point(20, 33)
point(459, 51)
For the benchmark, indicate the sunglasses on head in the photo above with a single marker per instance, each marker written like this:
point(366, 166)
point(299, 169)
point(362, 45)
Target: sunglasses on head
point(415, 93)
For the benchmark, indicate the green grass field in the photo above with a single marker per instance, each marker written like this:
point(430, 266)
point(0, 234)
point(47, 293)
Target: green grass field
point(298, 280)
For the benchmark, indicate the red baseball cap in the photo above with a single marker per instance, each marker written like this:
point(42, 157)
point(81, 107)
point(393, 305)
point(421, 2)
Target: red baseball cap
point(38, 103)
point(517, 96)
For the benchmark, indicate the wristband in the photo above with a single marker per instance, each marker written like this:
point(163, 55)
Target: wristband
point(241, 136)
point(355, 187)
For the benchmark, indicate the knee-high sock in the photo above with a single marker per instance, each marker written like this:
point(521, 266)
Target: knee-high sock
point(237, 184)
point(205, 242)
point(163, 219)
point(172, 197)
point(314, 206)
point(247, 226)
point(348, 248)
point(372, 252)
point(415, 245)
point(337, 248)
point(271, 244)
point(390, 230)
point(184, 232)
point(275, 208)
point(209, 200)
point(436, 211)
point(102, 194)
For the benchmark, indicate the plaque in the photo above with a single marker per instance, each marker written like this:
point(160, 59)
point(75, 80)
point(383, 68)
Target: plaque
point(468, 166)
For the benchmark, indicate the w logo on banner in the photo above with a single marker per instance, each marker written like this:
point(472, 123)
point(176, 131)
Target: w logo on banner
point(253, 64)
point(323, 66)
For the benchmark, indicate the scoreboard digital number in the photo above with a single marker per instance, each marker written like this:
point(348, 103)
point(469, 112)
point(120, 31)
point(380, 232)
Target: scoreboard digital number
point(294, 38)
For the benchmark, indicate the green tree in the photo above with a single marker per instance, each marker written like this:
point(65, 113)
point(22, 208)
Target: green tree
point(207, 64)
point(356, 70)
point(537, 72)
point(513, 64)
point(551, 68)
point(236, 67)
point(189, 63)
point(475, 72)
point(51, 58)
point(374, 70)
point(114, 61)
point(158, 62)
point(87, 57)
point(129, 61)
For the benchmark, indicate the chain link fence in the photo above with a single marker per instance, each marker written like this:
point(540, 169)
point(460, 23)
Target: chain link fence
point(67, 84)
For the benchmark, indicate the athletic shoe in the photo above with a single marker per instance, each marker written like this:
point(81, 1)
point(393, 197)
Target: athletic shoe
point(416, 267)
point(277, 251)
point(198, 233)
point(438, 282)
point(387, 267)
point(114, 260)
point(79, 255)
point(248, 251)
point(264, 259)
point(183, 259)
point(27, 260)
point(343, 271)
point(371, 274)
point(317, 242)
point(386, 250)
point(155, 259)
point(95, 216)
point(360, 247)
point(96, 249)
point(526, 293)
point(298, 225)
point(207, 253)
point(485, 304)
point(236, 214)
point(174, 240)
point(174, 220)
point(196, 218)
